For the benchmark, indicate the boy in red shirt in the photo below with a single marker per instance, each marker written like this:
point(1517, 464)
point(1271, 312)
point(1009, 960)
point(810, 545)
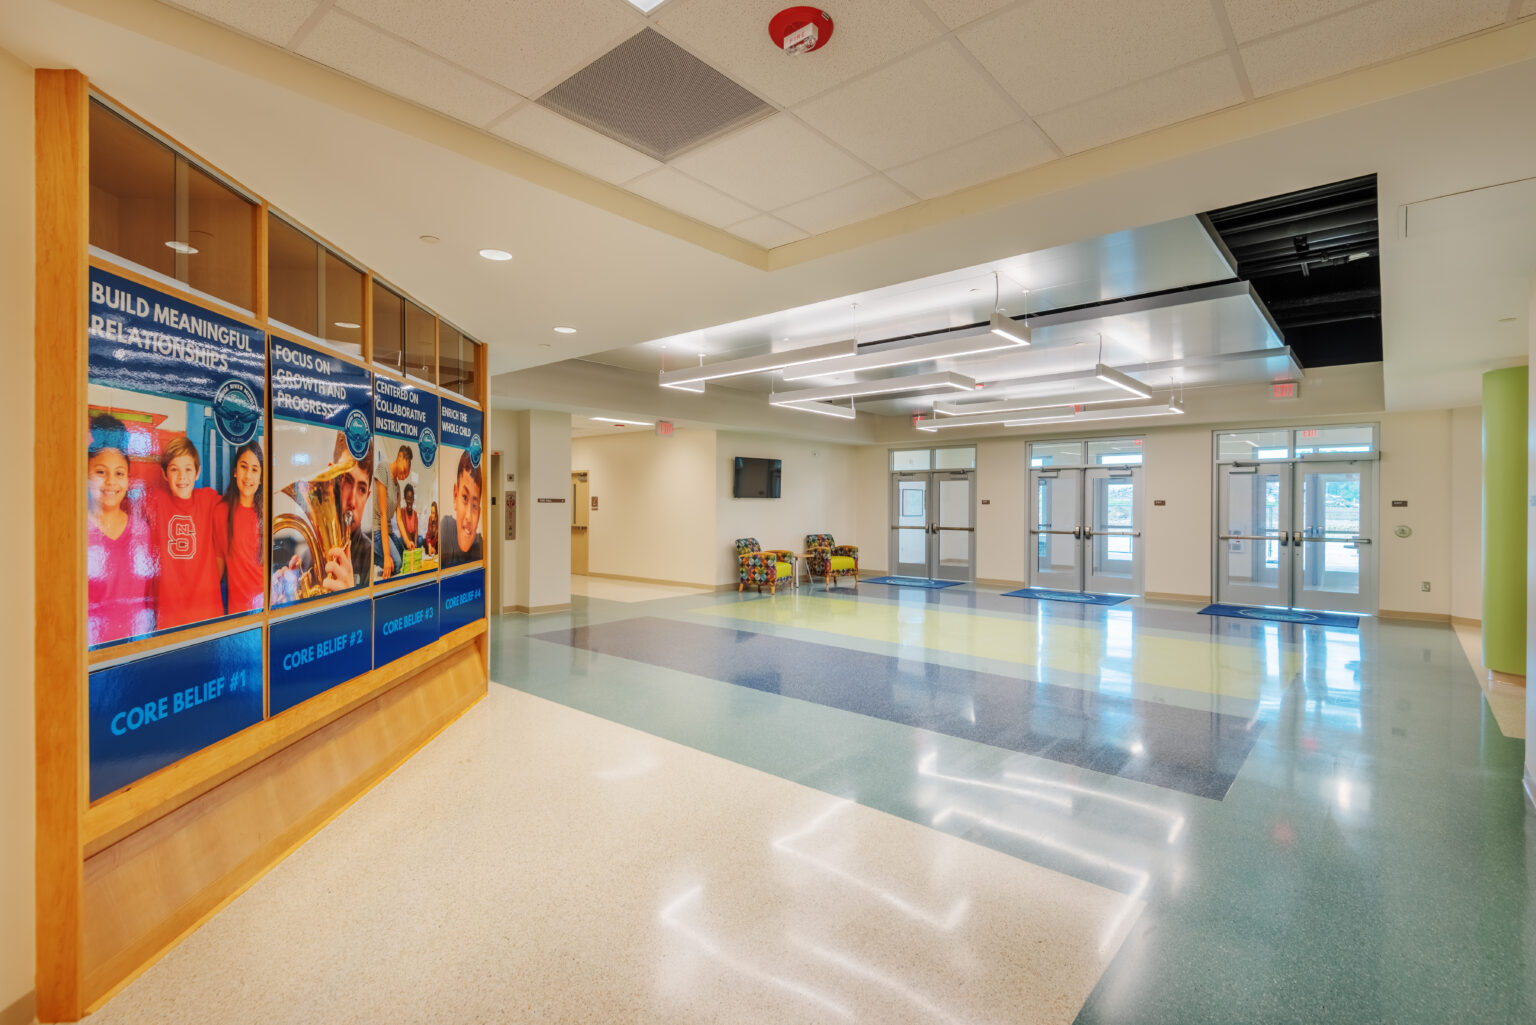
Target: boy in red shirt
point(184, 523)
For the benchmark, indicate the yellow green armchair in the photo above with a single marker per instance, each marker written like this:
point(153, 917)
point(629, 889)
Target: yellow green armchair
point(763, 567)
point(830, 560)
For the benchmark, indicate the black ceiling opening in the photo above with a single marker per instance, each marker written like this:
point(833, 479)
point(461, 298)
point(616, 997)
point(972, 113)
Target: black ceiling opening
point(1314, 257)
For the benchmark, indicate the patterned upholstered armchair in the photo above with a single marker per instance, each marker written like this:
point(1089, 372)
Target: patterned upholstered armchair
point(763, 567)
point(830, 560)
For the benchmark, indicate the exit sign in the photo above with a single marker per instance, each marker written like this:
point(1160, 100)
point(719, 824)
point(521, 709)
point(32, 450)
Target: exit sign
point(1286, 389)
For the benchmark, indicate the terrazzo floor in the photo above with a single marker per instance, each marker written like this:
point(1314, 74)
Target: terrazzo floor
point(912, 806)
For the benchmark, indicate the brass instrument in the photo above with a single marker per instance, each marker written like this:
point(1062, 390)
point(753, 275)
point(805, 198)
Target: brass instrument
point(323, 527)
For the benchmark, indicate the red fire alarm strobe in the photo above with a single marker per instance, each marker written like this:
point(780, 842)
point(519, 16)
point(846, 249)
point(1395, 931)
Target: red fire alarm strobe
point(800, 29)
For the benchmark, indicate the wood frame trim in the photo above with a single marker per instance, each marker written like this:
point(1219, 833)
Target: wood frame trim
point(62, 107)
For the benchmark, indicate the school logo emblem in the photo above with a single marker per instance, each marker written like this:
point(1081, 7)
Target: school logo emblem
point(358, 434)
point(181, 537)
point(427, 445)
point(474, 451)
point(236, 412)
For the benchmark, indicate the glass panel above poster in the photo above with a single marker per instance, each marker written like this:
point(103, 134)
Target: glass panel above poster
point(175, 465)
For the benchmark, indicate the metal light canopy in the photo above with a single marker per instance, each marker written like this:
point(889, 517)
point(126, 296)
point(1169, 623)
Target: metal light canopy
point(763, 364)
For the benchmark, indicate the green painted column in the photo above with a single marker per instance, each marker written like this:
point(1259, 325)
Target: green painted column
point(1504, 464)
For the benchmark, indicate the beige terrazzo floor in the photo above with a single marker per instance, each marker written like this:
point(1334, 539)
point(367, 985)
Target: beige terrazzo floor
point(537, 864)
point(627, 590)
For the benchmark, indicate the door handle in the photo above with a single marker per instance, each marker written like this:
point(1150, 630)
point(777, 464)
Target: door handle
point(1296, 537)
point(1361, 540)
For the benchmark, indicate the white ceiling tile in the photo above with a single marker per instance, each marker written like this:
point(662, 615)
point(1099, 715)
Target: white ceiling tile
point(671, 188)
point(362, 51)
point(273, 20)
point(1053, 53)
point(1251, 19)
point(1362, 36)
point(767, 231)
point(857, 201)
point(1002, 152)
point(772, 163)
point(1176, 96)
point(955, 13)
point(559, 138)
point(528, 45)
point(928, 101)
point(734, 36)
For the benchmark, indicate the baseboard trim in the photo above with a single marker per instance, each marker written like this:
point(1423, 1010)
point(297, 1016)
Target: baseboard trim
point(1464, 621)
point(1414, 617)
point(22, 1012)
point(652, 580)
point(1530, 786)
point(535, 610)
point(1011, 585)
point(1197, 599)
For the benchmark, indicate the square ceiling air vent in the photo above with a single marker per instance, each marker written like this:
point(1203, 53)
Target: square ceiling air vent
point(654, 96)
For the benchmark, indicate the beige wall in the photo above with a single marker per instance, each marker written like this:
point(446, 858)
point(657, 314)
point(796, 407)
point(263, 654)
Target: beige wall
point(1416, 468)
point(655, 515)
point(1177, 538)
point(819, 496)
point(17, 761)
point(535, 447)
point(1466, 513)
point(1002, 480)
point(872, 512)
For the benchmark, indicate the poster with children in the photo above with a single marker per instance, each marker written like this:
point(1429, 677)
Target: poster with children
point(175, 468)
point(405, 479)
point(463, 428)
point(322, 473)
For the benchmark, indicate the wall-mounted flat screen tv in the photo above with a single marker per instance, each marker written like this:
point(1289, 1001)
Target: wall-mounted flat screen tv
point(757, 478)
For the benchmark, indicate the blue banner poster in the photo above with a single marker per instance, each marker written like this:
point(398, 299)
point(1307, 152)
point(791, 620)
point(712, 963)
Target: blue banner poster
point(405, 515)
point(152, 711)
point(403, 621)
point(462, 483)
point(463, 599)
point(174, 465)
point(311, 653)
point(322, 473)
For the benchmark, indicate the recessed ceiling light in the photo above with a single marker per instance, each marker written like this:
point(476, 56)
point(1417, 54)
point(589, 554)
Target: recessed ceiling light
point(430, 240)
point(565, 330)
point(347, 325)
point(498, 255)
point(181, 247)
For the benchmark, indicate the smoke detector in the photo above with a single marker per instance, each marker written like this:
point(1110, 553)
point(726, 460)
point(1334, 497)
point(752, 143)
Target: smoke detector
point(800, 29)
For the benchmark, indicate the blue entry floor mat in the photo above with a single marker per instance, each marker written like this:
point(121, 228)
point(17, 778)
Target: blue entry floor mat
point(1192, 750)
point(1081, 598)
point(932, 585)
point(1283, 615)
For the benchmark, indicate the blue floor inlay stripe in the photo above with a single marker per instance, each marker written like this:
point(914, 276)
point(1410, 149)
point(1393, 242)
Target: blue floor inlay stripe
point(1335, 619)
point(932, 585)
point(1079, 597)
point(1184, 749)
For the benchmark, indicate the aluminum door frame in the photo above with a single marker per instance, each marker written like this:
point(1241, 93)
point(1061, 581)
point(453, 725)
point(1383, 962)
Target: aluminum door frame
point(899, 568)
point(936, 568)
point(1364, 599)
point(1244, 540)
point(1096, 583)
point(1059, 580)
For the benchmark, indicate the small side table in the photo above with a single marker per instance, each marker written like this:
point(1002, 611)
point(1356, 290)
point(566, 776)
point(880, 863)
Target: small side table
point(799, 558)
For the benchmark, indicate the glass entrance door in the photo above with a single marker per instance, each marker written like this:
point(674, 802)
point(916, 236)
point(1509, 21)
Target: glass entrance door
point(1296, 535)
point(933, 524)
point(1113, 532)
point(1330, 542)
point(1254, 521)
point(1056, 529)
point(910, 525)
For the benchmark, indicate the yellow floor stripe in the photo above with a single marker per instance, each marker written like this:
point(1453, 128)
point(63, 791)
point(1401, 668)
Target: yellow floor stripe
point(1108, 651)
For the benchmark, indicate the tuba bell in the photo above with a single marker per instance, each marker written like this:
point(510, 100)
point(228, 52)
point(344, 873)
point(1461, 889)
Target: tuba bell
point(323, 526)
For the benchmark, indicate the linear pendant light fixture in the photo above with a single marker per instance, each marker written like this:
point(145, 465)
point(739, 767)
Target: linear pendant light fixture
point(766, 363)
point(864, 389)
point(1109, 375)
point(1001, 324)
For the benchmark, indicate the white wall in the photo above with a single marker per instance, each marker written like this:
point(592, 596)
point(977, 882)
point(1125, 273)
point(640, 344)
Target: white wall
point(655, 515)
point(504, 439)
point(820, 495)
point(872, 508)
point(17, 760)
point(535, 447)
point(1177, 537)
